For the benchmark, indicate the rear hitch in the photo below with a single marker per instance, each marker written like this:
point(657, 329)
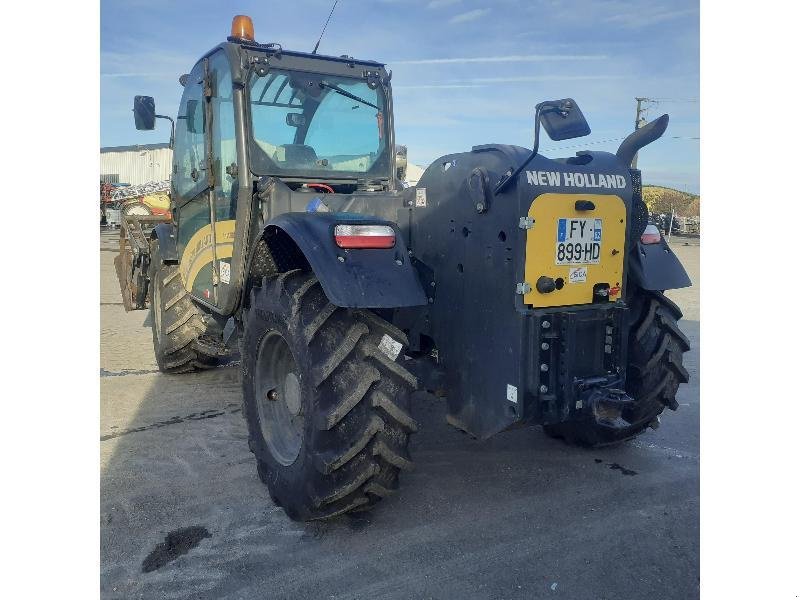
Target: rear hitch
point(605, 404)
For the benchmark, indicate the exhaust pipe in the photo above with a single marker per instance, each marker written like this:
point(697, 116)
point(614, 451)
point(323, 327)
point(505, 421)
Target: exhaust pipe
point(640, 138)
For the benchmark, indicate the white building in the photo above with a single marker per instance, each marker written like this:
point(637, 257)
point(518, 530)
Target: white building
point(153, 162)
point(413, 173)
point(135, 164)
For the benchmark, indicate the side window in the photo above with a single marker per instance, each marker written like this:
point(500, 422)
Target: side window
point(189, 152)
point(223, 136)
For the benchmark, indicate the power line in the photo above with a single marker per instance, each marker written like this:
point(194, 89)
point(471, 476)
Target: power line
point(619, 139)
point(658, 100)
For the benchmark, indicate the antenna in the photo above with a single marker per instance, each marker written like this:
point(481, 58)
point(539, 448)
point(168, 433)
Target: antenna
point(335, 2)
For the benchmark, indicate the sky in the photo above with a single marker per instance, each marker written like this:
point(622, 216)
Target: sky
point(465, 72)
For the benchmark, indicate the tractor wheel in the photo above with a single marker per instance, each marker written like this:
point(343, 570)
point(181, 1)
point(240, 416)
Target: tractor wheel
point(655, 370)
point(326, 402)
point(179, 331)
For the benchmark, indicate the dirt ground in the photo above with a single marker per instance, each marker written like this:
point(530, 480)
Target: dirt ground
point(183, 514)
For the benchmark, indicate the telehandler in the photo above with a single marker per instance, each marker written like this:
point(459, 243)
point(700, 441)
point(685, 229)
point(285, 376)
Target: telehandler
point(527, 290)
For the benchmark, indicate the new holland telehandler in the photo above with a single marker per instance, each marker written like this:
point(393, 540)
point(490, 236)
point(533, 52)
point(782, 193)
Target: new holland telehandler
point(525, 289)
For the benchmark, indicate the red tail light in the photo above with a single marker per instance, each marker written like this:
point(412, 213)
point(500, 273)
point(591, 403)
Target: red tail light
point(651, 235)
point(364, 236)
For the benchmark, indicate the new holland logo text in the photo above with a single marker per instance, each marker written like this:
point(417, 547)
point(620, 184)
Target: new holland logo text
point(581, 180)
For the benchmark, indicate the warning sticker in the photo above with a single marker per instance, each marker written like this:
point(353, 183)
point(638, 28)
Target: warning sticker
point(511, 393)
point(577, 275)
point(224, 272)
point(422, 198)
point(390, 347)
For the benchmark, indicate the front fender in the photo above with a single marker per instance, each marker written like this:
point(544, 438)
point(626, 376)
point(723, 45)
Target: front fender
point(362, 278)
point(655, 267)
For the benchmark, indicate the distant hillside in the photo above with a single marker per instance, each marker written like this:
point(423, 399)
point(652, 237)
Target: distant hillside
point(663, 199)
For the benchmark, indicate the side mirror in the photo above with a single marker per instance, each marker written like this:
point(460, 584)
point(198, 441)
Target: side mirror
point(563, 120)
point(144, 112)
point(295, 119)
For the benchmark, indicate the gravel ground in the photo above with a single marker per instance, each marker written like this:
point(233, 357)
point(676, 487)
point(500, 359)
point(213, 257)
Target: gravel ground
point(183, 514)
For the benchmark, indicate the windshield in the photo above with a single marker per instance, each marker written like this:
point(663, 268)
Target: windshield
point(319, 126)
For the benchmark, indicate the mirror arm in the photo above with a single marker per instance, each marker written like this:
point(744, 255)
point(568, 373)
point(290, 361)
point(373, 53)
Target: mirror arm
point(503, 183)
point(172, 132)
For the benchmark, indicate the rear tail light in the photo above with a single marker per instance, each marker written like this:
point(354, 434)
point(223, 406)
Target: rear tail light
point(651, 235)
point(364, 236)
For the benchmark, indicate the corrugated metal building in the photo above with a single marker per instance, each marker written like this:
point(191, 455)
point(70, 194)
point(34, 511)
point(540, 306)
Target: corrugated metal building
point(413, 173)
point(153, 162)
point(135, 164)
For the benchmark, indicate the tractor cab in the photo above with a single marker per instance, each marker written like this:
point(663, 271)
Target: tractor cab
point(254, 112)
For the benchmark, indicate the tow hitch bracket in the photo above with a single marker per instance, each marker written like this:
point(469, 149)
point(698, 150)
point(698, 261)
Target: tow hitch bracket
point(605, 404)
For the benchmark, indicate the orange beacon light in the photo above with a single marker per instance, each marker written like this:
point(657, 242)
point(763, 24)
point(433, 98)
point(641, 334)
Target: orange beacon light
point(242, 28)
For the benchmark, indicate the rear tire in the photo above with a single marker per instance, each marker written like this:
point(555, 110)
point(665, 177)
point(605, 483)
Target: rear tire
point(180, 334)
point(326, 402)
point(655, 370)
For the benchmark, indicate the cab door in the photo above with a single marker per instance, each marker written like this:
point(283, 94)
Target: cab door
point(192, 187)
point(205, 177)
point(225, 168)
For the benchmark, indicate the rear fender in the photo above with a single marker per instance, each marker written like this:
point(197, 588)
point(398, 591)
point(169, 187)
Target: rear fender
point(655, 267)
point(362, 278)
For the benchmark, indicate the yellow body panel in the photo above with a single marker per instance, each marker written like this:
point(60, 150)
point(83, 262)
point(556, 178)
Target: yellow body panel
point(198, 252)
point(541, 245)
point(159, 201)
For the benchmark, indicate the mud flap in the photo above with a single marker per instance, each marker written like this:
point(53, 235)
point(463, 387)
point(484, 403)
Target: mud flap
point(654, 267)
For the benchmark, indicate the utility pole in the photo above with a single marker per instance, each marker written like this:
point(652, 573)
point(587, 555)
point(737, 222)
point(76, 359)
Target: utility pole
point(638, 124)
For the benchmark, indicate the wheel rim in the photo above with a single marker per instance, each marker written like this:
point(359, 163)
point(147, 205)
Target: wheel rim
point(157, 309)
point(279, 399)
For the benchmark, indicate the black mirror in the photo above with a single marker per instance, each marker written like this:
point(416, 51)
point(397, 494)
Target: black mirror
point(144, 112)
point(295, 119)
point(563, 120)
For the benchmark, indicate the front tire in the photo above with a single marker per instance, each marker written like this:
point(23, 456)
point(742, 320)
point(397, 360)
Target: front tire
point(326, 402)
point(180, 340)
point(655, 370)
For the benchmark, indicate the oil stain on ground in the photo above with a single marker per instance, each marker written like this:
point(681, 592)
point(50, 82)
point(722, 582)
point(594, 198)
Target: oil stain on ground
point(177, 543)
point(618, 467)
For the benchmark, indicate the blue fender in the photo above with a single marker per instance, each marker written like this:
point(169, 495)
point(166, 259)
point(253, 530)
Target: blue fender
point(356, 278)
